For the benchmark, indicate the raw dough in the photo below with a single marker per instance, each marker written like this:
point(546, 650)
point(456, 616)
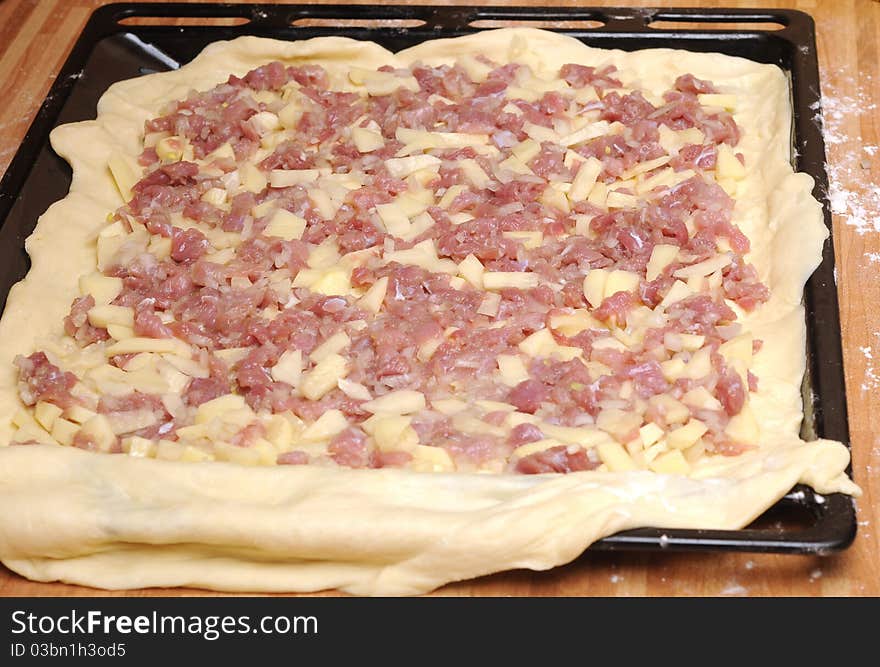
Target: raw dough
point(116, 522)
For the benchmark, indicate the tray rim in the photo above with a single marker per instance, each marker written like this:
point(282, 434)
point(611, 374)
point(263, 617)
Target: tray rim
point(834, 526)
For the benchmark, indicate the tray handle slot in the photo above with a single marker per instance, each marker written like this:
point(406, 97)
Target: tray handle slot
point(768, 22)
point(375, 23)
point(545, 23)
point(151, 20)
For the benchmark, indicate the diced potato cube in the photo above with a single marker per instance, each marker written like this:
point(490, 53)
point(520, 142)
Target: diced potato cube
point(279, 431)
point(139, 447)
point(539, 344)
point(650, 433)
point(375, 296)
point(289, 368)
point(431, 459)
point(101, 316)
point(490, 305)
point(251, 178)
point(450, 195)
point(123, 173)
point(216, 408)
point(677, 292)
point(354, 390)
point(448, 406)
point(329, 424)
point(215, 196)
point(224, 152)
point(171, 149)
point(33, 433)
point(232, 355)
point(615, 456)
point(394, 218)
point(424, 255)
point(621, 200)
point(738, 348)
point(700, 364)
point(332, 281)
point(574, 323)
point(108, 246)
point(727, 102)
point(529, 239)
point(471, 269)
point(685, 436)
point(323, 203)
point(418, 140)
point(290, 114)
point(584, 180)
point(428, 348)
point(78, 414)
point(333, 345)
point(46, 414)
point(743, 428)
point(662, 256)
point(598, 195)
point(594, 286)
point(728, 165)
point(401, 402)
point(285, 178)
point(515, 165)
point(366, 140)
point(324, 377)
point(102, 288)
point(526, 150)
point(701, 399)
point(159, 246)
point(644, 167)
point(99, 432)
point(555, 198)
point(670, 463)
point(130, 421)
point(418, 225)
point(285, 225)
point(474, 173)
point(64, 431)
point(586, 133)
point(402, 167)
point(672, 410)
point(136, 345)
point(621, 281)
point(619, 424)
point(502, 279)
point(394, 433)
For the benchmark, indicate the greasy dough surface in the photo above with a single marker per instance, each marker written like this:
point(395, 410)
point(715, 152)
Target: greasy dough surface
point(117, 522)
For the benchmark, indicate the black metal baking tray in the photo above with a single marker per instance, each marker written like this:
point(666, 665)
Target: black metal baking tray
point(109, 51)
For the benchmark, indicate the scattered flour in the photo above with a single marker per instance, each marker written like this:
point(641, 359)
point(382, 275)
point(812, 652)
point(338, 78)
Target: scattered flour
point(871, 381)
point(851, 194)
point(734, 588)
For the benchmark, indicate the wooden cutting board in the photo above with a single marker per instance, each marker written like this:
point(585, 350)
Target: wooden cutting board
point(35, 37)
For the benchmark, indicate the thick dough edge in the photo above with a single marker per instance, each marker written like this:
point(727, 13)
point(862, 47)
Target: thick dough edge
point(115, 522)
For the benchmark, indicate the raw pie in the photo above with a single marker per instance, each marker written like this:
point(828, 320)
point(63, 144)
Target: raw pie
point(460, 309)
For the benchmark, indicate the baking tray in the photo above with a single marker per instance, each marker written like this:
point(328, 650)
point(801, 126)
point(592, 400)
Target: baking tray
point(158, 37)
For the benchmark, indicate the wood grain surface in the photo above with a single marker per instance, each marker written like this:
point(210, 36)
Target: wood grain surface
point(36, 35)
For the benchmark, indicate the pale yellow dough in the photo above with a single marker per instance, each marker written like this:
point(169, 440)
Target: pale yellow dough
point(115, 522)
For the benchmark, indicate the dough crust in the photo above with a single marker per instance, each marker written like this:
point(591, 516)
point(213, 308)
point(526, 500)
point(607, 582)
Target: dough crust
point(118, 522)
